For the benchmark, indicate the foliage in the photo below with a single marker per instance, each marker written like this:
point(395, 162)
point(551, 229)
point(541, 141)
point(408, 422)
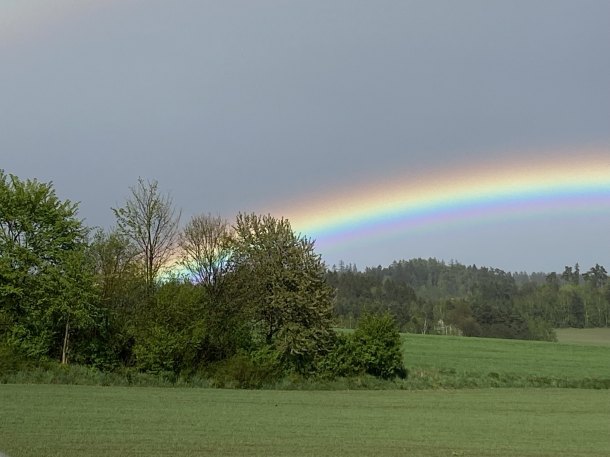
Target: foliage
point(381, 346)
point(345, 360)
point(281, 279)
point(46, 284)
point(248, 370)
point(374, 348)
point(169, 335)
point(430, 296)
point(257, 306)
point(123, 297)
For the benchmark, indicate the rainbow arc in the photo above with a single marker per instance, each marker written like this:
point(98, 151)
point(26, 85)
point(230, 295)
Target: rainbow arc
point(564, 185)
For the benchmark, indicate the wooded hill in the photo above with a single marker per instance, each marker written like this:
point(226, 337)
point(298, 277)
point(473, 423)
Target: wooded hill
point(431, 296)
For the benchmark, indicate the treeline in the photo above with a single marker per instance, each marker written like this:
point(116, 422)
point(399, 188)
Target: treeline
point(244, 304)
point(431, 296)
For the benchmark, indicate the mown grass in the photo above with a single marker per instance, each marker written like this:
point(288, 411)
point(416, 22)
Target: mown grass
point(589, 336)
point(69, 421)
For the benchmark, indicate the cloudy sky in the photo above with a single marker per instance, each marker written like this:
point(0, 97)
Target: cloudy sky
point(260, 105)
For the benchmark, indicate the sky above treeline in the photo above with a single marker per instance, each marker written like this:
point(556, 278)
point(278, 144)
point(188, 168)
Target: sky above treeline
point(473, 131)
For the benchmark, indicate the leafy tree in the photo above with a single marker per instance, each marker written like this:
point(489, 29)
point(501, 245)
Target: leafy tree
point(122, 291)
point(282, 281)
point(114, 260)
point(170, 335)
point(46, 286)
point(150, 221)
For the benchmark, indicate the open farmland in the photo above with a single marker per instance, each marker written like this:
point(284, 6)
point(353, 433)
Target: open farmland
point(589, 336)
point(69, 421)
point(482, 362)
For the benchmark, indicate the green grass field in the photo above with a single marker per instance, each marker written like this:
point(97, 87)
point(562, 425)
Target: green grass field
point(480, 358)
point(589, 336)
point(69, 421)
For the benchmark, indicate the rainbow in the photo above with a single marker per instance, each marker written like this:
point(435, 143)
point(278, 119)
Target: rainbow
point(565, 184)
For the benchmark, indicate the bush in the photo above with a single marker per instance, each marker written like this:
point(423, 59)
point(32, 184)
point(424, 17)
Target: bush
point(381, 346)
point(344, 360)
point(248, 370)
point(374, 348)
point(10, 360)
point(158, 350)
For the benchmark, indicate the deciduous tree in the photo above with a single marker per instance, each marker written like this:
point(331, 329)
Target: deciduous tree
point(46, 287)
point(283, 281)
point(149, 219)
point(205, 249)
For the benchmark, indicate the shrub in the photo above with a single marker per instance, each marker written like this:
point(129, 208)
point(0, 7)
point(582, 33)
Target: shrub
point(10, 360)
point(158, 350)
point(374, 348)
point(249, 370)
point(381, 346)
point(344, 360)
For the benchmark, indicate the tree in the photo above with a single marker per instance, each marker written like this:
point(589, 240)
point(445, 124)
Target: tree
point(172, 336)
point(205, 245)
point(571, 277)
point(150, 221)
point(596, 277)
point(46, 287)
point(114, 262)
point(71, 301)
point(122, 291)
point(282, 280)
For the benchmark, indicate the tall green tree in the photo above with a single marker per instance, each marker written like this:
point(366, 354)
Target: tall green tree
point(283, 282)
point(46, 286)
point(123, 294)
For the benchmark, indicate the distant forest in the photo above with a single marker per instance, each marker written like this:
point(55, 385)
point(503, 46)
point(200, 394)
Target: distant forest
point(431, 296)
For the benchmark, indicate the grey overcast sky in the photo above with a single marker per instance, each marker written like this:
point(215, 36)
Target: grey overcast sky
point(248, 105)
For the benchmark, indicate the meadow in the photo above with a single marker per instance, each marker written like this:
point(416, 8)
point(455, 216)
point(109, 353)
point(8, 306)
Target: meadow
point(589, 336)
point(454, 362)
point(69, 421)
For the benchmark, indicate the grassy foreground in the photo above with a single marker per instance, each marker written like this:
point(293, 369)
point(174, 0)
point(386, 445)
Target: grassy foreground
point(55, 420)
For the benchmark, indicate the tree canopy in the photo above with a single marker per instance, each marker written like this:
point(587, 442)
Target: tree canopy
point(46, 288)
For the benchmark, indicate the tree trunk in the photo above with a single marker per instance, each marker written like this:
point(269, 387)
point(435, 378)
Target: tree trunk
point(64, 352)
